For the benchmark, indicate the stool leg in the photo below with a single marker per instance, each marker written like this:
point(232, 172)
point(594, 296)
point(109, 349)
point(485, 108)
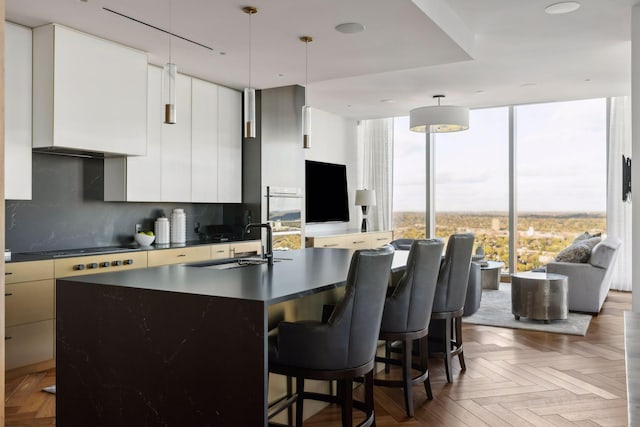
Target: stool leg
point(424, 364)
point(387, 355)
point(299, 400)
point(290, 407)
point(447, 349)
point(406, 376)
point(368, 394)
point(347, 402)
point(458, 322)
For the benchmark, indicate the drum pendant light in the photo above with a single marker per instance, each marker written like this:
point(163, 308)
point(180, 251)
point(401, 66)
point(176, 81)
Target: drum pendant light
point(249, 92)
point(306, 109)
point(439, 118)
point(169, 84)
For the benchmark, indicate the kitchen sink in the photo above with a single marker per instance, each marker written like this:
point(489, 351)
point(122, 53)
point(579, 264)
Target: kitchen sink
point(228, 264)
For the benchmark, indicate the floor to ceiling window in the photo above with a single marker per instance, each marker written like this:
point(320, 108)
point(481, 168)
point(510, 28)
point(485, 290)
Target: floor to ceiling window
point(560, 179)
point(409, 179)
point(561, 176)
point(472, 182)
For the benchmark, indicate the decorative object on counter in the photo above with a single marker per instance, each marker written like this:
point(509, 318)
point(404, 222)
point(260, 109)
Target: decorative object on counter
point(249, 92)
point(178, 226)
point(306, 109)
point(365, 198)
point(144, 238)
point(439, 118)
point(169, 84)
point(162, 231)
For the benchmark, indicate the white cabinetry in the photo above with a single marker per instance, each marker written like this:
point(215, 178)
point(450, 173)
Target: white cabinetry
point(198, 159)
point(89, 94)
point(17, 132)
point(204, 141)
point(176, 148)
point(229, 146)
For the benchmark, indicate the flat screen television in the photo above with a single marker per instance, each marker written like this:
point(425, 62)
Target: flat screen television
point(326, 196)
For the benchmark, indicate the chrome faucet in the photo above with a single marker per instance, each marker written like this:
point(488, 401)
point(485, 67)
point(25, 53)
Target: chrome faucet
point(268, 252)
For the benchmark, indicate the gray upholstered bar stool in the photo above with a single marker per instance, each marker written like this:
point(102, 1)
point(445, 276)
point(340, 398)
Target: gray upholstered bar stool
point(448, 304)
point(406, 317)
point(344, 348)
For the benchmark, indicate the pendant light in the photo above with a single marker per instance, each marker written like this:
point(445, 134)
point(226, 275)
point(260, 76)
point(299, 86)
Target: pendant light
point(306, 109)
point(169, 84)
point(439, 118)
point(249, 92)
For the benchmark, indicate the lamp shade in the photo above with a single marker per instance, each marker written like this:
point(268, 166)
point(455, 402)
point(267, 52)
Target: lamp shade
point(439, 118)
point(365, 197)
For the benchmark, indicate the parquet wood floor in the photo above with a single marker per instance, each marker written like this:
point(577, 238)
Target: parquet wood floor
point(513, 378)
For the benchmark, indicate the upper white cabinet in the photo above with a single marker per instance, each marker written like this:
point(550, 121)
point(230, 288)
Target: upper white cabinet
point(198, 159)
point(88, 93)
point(17, 132)
point(204, 141)
point(229, 146)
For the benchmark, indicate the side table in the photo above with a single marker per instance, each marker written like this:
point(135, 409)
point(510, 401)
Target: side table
point(539, 296)
point(491, 274)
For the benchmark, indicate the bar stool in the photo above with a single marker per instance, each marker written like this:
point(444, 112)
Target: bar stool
point(343, 348)
point(448, 303)
point(406, 317)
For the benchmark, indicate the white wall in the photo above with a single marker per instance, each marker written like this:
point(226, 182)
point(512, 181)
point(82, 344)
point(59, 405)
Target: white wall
point(334, 140)
point(635, 148)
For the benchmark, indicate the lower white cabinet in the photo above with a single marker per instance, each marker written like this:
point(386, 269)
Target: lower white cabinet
point(198, 159)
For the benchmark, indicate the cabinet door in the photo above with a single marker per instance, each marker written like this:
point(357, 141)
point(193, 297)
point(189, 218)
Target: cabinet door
point(89, 93)
point(176, 147)
point(204, 142)
point(17, 132)
point(179, 255)
point(29, 343)
point(230, 146)
point(144, 172)
point(29, 302)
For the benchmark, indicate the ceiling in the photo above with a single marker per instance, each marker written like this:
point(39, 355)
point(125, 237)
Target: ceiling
point(477, 53)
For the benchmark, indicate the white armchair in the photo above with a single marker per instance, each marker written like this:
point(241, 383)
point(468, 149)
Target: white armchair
point(589, 282)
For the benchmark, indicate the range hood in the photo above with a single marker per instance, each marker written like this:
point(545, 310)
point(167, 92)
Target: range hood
point(74, 152)
point(89, 95)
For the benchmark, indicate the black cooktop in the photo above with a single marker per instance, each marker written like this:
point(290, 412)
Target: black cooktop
point(84, 251)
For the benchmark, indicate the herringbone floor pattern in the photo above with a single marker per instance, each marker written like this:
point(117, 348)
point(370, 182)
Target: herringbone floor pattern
point(513, 378)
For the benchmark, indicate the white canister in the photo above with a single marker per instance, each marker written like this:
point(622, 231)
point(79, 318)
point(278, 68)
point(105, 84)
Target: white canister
point(162, 231)
point(178, 226)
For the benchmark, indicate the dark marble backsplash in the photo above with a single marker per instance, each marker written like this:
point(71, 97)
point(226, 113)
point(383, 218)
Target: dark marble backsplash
point(67, 210)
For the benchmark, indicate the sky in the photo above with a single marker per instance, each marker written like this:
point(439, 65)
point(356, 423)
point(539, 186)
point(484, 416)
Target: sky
point(560, 151)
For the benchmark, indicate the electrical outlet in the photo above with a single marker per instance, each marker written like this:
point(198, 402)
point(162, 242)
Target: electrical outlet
point(138, 228)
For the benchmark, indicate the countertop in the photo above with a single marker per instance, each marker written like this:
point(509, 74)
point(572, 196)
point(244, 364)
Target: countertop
point(294, 274)
point(40, 256)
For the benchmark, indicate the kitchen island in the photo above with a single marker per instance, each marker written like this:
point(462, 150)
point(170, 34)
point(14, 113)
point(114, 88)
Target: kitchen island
point(179, 345)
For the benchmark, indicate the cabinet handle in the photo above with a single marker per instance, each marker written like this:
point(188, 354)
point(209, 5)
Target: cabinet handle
point(220, 252)
point(8, 273)
point(181, 255)
point(8, 338)
point(381, 238)
point(330, 245)
point(357, 242)
point(8, 294)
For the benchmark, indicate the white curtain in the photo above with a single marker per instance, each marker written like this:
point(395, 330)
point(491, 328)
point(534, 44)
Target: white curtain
point(619, 212)
point(377, 138)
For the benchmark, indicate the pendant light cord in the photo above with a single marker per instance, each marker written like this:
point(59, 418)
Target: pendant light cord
point(170, 28)
point(250, 52)
point(306, 71)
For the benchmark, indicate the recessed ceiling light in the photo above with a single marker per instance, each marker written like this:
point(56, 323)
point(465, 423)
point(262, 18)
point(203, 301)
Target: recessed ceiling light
point(350, 28)
point(388, 101)
point(222, 53)
point(479, 92)
point(563, 7)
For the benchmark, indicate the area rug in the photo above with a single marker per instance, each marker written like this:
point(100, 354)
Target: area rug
point(495, 310)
